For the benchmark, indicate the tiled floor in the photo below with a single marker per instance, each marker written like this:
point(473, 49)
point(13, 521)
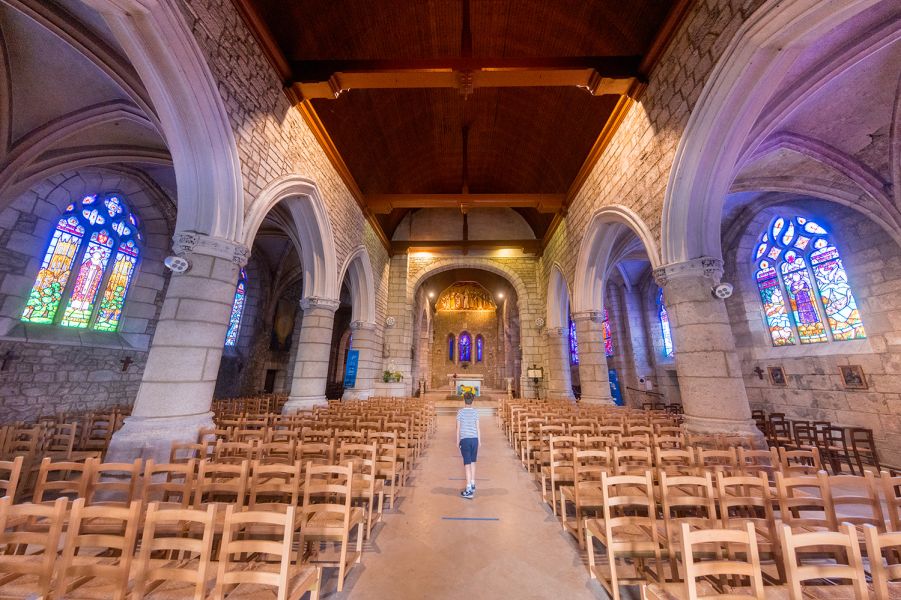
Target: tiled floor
point(420, 552)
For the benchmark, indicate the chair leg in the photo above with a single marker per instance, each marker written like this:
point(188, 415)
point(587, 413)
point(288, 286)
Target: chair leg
point(589, 544)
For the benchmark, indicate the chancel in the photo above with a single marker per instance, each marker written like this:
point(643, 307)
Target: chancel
point(256, 256)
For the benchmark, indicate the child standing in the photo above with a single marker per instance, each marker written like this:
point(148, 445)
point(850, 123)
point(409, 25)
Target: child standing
point(468, 439)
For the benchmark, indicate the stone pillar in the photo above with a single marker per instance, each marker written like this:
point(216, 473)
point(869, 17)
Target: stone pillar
point(364, 340)
point(559, 379)
point(173, 402)
point(313, 347)
point(593, 371)
point(710, 378)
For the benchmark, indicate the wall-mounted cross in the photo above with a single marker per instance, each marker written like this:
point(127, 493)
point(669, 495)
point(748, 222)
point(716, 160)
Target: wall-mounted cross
point(6, 358)
point(759, 372)
point(126, 362)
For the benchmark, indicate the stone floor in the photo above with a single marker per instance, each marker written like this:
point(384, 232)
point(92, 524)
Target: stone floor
point(424, 550)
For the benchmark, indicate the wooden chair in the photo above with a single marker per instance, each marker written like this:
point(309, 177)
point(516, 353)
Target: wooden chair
point(182, 452)
point(329, 516)
point(675, 461)
point(891, 493)
point(884, 553)
point(12, 469)
point(805, 461)
point(234, 452)
point(559, 470)
point(368, 489)
point(219, 483)
point(248, 558)
point(280, 452)
point(274, 487)
point(804, 502)
point(64, 478)
point(717, 461)
point(628, 530)
point(834, 448)
point(95, 564)
point(844, 541)
point(585, 492)
point(632, 461)
point(685, 499)
point(386, 463)
point(855, 500)
point(114, 484)
point(170, 485)
point(695, 548)
point(864, 448)
point(176, 550)
point(752, 462)
point(29, 574)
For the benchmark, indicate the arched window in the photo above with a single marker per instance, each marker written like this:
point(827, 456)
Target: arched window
point(573, 344)
point(465, 346)
point(480, 342)
point(234, 321)
point(89, 233)
point(665, 333)
point(608, 336)
point(800, 277)
point(451, 343)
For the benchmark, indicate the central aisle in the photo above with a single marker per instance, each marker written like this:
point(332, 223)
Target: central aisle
point(423, 551)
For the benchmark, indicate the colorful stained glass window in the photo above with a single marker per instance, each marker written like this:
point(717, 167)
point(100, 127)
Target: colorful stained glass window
point(608, 336)
point(480, 342)
point(451, 344)
point(465, 347)
point(801, 278)
point(666, 334)
point(573, 344)
point(112, 233)
point(234, 321)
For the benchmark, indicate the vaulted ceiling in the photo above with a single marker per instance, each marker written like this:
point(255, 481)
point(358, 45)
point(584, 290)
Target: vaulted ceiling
point(463, 103)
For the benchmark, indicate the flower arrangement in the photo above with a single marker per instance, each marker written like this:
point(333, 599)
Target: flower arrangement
point(392, 376)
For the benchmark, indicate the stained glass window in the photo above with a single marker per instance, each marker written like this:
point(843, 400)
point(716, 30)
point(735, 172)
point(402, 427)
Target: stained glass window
point(608, 336)
point(573, 344)
point(480, 342)
point(801, 279)
point(106, 263)
point(665, 331)
point(465, 347)
point(451, 343)
point(234, 321)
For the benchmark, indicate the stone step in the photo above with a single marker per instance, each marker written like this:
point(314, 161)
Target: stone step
point(485, 411)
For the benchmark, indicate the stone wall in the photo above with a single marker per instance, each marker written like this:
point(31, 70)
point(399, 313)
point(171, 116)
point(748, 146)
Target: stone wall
point(814, 389)
point(475, 322)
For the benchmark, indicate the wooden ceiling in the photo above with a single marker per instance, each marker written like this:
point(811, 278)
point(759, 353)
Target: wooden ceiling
point(427, 103)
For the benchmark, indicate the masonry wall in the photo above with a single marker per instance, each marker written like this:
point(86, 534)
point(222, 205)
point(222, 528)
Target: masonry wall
point(475, 322)
point(814, 389)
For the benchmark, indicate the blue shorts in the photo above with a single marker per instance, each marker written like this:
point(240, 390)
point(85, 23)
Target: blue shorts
point(469, 448)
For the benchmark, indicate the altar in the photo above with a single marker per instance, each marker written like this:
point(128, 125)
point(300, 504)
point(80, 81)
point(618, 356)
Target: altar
point(465, 383)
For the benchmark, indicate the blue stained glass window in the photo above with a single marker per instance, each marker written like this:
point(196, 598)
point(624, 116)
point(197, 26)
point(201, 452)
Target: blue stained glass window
point(234, 321)
point(801, 278)
point(665, 331)
point(451, 344)
point(480, 342)
point(573, 344)
point(465, 345)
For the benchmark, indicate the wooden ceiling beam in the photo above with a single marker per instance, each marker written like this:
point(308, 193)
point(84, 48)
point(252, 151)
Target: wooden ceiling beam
point(597, 75)
point(527, 246)
point(385, 203)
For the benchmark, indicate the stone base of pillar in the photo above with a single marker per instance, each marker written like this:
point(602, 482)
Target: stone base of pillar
point(351, 394)
point(295, 404)
point(597, 399)
point(710, 425)
point(152, 437)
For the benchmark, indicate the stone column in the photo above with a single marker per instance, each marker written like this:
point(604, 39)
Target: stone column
point(173, 402)
point(710, 378)
point(593, 371)
point(364, 340)
point(559, 379)
point(313, 347)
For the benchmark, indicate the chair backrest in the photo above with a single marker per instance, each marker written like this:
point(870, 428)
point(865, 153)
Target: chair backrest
point(632, 461)
point(718, 460)
point(327, 490)
point(16, 535)
point(221, 483)
point(63, 478)
point(804, 501)
point(319, 453)
point(745, 499)
point(283, 451)
point(235, 451)
point(846, 545)
point(800, 462)
point(884, 554)
point(11, 472)
point(725, 540)
point(855, 499)
point(114, 483)
point(185, 531)
point(265, 535)
point(751, 462)
point(864, 446)
point(891, 493)
point(363, 457)
point(629, 500)
point(687, 499)
point(274, 486)
point(85, 545)
point(675, 461)
point(171, 485)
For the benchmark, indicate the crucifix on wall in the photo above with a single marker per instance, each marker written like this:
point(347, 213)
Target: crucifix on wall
point(126, 362)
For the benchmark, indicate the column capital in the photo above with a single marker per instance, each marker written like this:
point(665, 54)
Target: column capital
point(320, 303)
point(705, 266)
point(190, 242)
point(595, 316)
point(364, 325)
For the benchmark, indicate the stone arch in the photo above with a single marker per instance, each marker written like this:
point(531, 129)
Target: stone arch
point(358, 271)
point(606, 227)
point(312, 231)
point(737, 91)
point(483, 264)
point(557, 299)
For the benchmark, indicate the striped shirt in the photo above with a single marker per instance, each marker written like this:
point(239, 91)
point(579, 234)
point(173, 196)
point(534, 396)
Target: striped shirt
point(468, 419)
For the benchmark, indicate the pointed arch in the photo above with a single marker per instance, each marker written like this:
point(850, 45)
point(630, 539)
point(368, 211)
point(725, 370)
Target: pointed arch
point(557, 299)
point(357, 270)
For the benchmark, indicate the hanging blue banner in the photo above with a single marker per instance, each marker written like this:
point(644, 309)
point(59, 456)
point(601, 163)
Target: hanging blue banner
point(350, 369)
